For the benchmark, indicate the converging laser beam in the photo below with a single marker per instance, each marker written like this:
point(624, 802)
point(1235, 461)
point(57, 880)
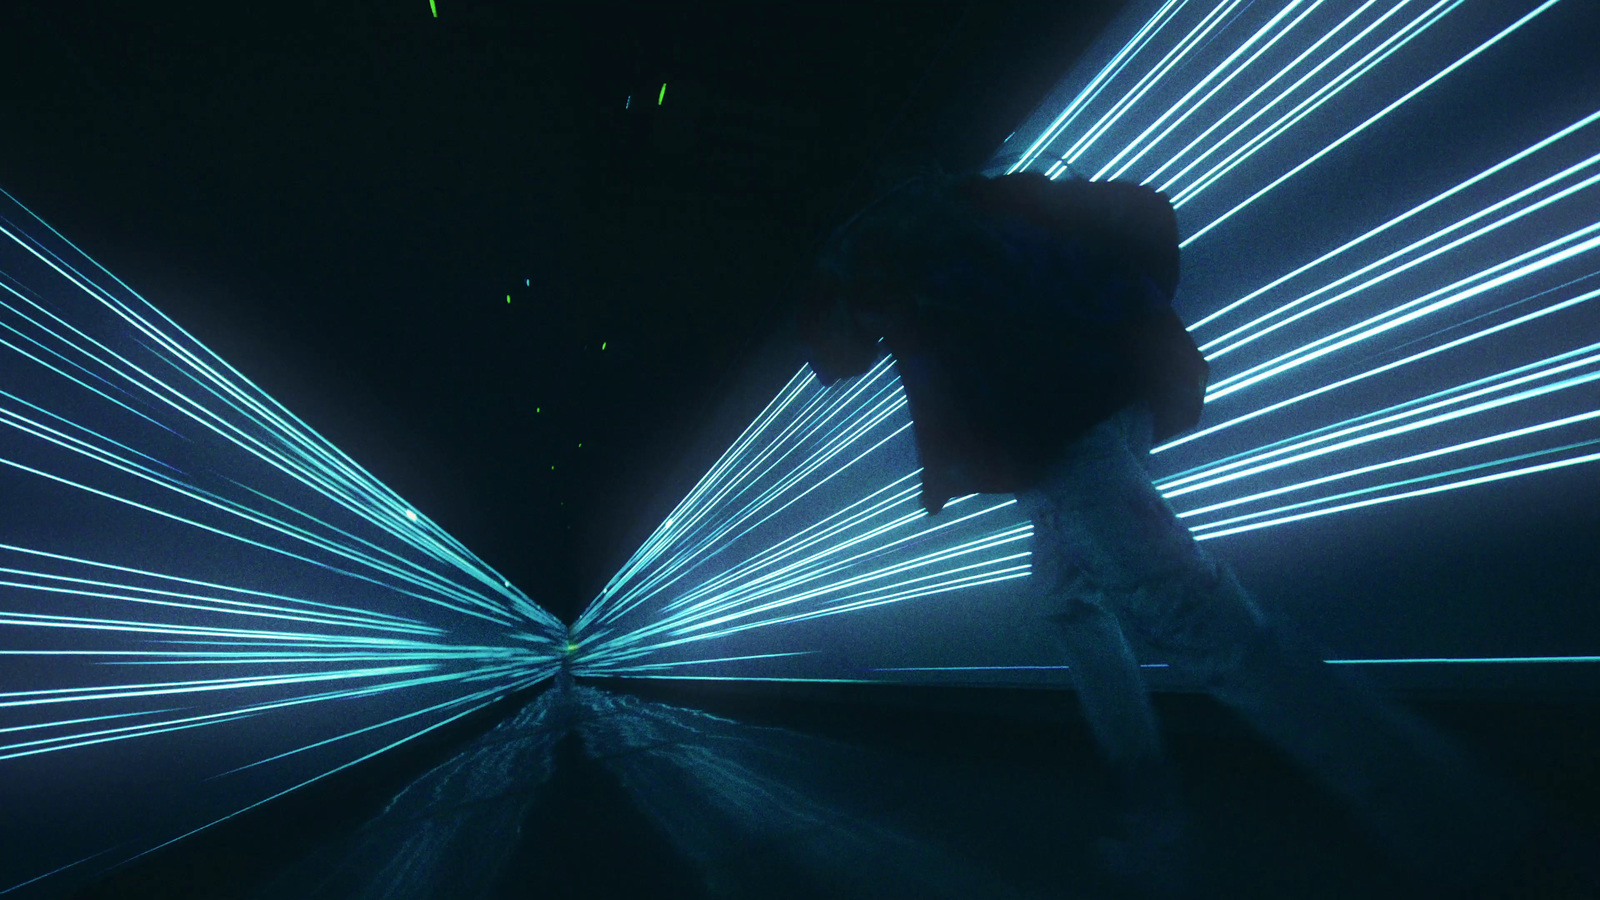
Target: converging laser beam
point(177, 519)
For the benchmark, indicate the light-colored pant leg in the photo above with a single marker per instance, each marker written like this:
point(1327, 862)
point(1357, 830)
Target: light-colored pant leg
point(1084, 499)
point(1122, 569)
point(1110, 687)
point(1108, 545)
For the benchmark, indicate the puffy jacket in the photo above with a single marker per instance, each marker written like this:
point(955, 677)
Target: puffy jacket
point(1020, 311)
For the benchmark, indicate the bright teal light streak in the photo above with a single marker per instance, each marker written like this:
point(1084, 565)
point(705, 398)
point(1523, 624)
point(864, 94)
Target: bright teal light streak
point(701, 612)
point(1217, 70)
point(1092, 90)
point(1305, 107)
point(1405, 495)
point(763, 678)
point(803, 441)
point(477, 698)
point(411, 715)
point(1521, 213)
point(205, 497)
point(865, 577)
point(1465, 659)
point(1420, 479)
point(77, 695)
point(1419, 208)
point(34, 726)
point(1151, 79)
point(114, 402)
point(705, 662)
point(1282, 73)
point(355, 613)
point(1212, 480)
point(1356, 423)
point(1170, 485)
point(682, 586)
point(259, 520)
point(864, 600)
point(56, 871)
point(687, 518)
point(746, 574)
point(642, 556)
point(1391, 463)
point(134, 626)
point(1331, 662)
point(255, 610)
point(1411, 310)
point(1387, 367)
point(1366, 124)
point(84, 739)
point(870, 598)
point(160, 339)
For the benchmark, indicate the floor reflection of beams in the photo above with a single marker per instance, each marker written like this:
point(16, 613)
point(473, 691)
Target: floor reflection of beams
point(589, 793)
point(450, 832)
point(754, 811)
point(761, 809)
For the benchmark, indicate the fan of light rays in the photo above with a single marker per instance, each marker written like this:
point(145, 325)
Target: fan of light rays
point(185, 564)
point(1393, 304)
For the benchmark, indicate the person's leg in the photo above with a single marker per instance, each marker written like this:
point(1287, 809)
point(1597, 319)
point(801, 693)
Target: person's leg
point(1110, 687)
point(1111, 690)
point(1438, 813)
point(1103, 668)
point(1148, 850)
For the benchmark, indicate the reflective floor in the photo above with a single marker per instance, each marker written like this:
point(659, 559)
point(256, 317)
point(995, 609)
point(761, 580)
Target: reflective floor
point(594, 792)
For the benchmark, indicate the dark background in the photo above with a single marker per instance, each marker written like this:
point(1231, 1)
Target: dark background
point(338, 198)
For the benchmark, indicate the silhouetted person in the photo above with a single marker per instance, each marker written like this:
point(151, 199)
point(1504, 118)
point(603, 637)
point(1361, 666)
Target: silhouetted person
point(1033, 332)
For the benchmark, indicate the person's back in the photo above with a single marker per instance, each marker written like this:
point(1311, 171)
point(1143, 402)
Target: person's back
point(1020, 312)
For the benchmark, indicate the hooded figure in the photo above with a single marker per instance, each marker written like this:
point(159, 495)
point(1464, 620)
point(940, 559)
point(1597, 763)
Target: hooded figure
point(1033, 332)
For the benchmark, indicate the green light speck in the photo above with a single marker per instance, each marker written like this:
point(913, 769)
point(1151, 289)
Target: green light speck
point(435, 7)
point(662, 99)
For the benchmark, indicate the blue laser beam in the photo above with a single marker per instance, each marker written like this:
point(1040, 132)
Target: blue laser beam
point(1432, 335)
point(260, 570)
point(1367, 123)
point(1351, 375)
